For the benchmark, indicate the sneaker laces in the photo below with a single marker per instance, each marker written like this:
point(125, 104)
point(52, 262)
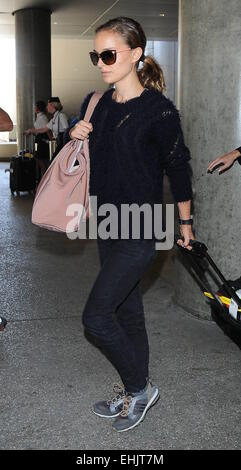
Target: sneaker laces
point(119, 391)
point(126, 405)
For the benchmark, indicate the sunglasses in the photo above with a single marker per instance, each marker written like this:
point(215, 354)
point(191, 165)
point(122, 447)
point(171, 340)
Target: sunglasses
point(108, 57)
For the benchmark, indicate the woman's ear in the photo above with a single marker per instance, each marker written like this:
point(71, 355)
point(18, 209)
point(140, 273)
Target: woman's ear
point(137, 53)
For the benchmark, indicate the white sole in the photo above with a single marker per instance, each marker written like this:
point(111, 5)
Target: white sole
point(104, 416)
point(154, 399)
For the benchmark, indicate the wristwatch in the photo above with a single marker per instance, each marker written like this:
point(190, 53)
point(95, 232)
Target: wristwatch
point(186, 222)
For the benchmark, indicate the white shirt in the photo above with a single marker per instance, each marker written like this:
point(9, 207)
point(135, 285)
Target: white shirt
point(41, 121)
point(59, 123)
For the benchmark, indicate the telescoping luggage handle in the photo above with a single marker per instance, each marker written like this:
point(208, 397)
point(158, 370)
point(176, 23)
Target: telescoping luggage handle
point(200, 250)
point(26, 140)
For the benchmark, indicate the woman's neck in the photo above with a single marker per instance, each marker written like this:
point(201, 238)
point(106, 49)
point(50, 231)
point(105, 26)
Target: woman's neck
point(126, 91)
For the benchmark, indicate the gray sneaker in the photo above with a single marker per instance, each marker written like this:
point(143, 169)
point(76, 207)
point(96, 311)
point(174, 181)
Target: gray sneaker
point(135, 408)
point(3, 323)
point(111, 408)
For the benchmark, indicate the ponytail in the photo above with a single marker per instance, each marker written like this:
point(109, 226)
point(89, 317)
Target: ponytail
point(151, 74)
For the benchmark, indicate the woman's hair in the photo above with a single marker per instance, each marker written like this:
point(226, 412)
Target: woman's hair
point(41, 105)
point(58, 106)
point(151, 74)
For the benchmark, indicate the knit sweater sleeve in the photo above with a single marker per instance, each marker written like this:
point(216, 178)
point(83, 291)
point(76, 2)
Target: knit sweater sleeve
point(175, 155)
point(239, 158)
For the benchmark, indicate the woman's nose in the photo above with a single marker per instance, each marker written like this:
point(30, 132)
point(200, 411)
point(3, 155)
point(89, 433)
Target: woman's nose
point(100, 63)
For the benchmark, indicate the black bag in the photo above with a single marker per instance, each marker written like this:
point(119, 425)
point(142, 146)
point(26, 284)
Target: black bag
point(42, 150)
point(226, 302)
point(22, 170)
point(22, 174)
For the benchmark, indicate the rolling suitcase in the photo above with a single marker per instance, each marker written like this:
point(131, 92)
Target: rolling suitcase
point(226, 301)
point(22, 172)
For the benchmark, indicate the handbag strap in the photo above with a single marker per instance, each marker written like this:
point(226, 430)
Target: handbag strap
point(92, 104)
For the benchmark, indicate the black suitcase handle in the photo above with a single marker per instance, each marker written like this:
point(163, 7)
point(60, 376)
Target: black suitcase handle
point(27, 145)
point(200, 250)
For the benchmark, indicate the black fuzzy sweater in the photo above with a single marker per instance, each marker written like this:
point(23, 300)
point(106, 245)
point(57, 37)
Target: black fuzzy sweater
point(131, 146)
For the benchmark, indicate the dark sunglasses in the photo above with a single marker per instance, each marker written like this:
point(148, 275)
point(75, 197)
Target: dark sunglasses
point(108, 57)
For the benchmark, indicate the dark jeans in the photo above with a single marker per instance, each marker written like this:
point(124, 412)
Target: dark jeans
point(113, 315)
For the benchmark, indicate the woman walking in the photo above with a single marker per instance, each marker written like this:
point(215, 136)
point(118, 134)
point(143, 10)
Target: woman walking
point(134, 135)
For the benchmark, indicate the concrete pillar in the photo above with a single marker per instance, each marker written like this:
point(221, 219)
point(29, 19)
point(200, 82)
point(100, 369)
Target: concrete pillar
point(33, 63)
point(210, 103)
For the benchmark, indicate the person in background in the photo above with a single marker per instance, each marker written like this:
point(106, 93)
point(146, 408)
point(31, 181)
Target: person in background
point(225, 162)
point(6, 125)
point(57, 125)
point(42, 140)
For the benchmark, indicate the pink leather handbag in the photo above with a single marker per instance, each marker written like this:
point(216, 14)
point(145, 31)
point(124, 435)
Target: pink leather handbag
point(64, 184)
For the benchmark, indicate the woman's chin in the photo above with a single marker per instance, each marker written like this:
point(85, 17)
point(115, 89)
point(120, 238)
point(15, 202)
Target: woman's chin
point(107, 78)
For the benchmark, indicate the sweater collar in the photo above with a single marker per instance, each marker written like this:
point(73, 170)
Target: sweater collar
point(133, 102)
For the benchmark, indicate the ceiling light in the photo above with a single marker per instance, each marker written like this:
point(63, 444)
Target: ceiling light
point(162, 14)
point(55, 22)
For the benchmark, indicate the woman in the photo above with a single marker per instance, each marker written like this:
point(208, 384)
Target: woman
point(42, 140)
point(57, 125)
point(134, 134)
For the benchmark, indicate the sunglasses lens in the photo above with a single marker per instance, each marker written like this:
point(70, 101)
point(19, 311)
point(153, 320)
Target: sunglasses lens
point(94, 58)
point(108, 57)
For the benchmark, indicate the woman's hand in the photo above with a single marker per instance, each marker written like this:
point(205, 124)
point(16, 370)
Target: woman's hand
point(187, 234)
point(81, 130)
point(226, 161)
